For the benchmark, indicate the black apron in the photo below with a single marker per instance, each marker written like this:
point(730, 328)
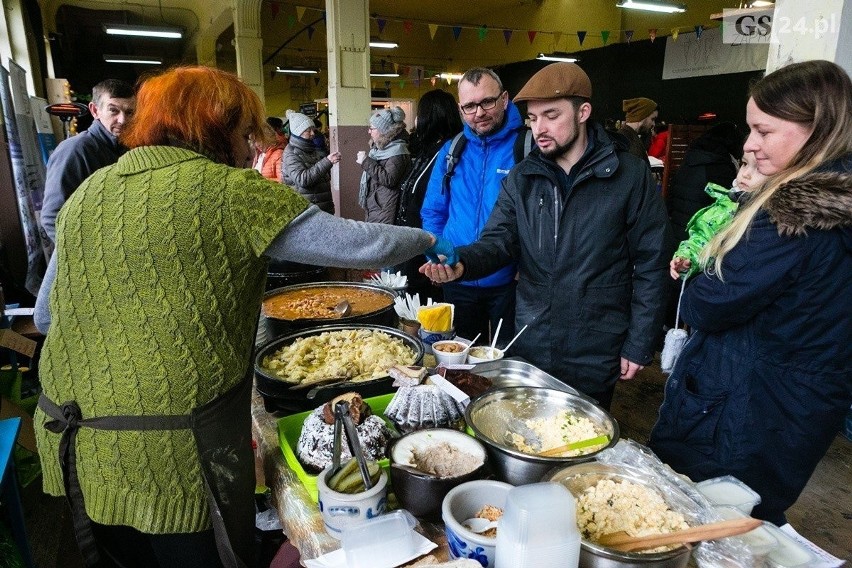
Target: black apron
point(222, 431)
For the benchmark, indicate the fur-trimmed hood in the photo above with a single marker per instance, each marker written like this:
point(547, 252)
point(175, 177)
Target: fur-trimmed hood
point(821, 199)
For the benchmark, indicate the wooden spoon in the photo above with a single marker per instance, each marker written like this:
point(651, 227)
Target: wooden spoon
point(626, 543)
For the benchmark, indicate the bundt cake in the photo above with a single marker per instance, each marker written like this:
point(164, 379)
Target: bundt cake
point(424, 406)
point(316, 441)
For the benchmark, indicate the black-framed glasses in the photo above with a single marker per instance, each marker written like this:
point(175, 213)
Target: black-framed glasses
point(484, 104)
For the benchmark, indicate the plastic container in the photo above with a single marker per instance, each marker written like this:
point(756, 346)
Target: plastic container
point(290, 427)
point(728, 490)
point(760, 541)
point(538, 528)
point(788, 553)
point(443, 354)
point(483, 354)
point(387, 537)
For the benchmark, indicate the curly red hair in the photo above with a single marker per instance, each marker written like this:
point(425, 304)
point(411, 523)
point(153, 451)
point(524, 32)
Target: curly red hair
point(194, 107)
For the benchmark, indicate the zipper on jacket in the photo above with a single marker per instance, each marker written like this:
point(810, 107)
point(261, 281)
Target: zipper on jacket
point(540, 219)
point(555, 215)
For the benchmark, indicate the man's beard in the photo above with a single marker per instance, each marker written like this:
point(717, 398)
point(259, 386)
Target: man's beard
point(561, 149)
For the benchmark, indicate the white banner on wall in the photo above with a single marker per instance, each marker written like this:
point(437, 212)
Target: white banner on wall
point(691, 56)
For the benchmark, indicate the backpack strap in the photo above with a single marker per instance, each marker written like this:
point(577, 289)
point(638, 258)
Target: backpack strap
point(524, 144)
point(453, 156)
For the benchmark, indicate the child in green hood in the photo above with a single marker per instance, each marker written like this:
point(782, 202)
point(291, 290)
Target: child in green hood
point(707, 222)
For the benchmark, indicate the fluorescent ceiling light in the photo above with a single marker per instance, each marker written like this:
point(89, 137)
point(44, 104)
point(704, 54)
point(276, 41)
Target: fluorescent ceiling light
point(382, 74)
point(450, 76)
point(557, 57)
point(296, 70)
point(761, 4)
point(135, 59)
point(652, 6)
point(383, 44)
point(169, 32)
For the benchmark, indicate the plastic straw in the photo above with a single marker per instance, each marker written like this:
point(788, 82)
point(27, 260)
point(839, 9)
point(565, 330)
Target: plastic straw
point(514, 338)
point(496, 334)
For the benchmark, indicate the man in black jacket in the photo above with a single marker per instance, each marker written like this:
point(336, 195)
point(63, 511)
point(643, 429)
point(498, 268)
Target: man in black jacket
point(583, 220)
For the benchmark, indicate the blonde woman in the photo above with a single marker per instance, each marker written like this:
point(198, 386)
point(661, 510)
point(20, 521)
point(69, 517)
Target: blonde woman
point(764, 382)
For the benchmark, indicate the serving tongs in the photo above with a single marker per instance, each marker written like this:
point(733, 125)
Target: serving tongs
point(343, 421)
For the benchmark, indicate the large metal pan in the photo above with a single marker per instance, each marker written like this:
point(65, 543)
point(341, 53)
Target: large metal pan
point(385, 316)
point(282, 395)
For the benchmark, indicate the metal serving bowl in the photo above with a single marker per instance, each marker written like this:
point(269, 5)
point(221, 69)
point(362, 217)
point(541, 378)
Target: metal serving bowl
point(292, 398)
point(500, 411)
point(581, 476)
point(383, 316)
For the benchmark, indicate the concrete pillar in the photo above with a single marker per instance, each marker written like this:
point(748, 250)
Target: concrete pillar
point(811, 30)
point(249, 44)
point(347, 43)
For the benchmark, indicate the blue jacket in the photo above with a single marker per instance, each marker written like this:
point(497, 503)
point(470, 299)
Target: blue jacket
point(74, 160)
point(763, 385)
point(460, 214)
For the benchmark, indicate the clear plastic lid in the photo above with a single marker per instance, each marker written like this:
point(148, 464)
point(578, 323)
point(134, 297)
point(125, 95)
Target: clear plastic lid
point(788, 553)
point(386, 537)
point(728, 490)
point(760, 541)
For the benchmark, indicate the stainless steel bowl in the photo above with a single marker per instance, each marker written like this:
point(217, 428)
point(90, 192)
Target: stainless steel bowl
point(496, 413)
point(581, 476)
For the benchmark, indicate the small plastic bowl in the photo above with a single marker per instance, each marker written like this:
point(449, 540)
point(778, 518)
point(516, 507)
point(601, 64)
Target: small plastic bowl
point(450, 351)
point(760, 541)
point(483, 354)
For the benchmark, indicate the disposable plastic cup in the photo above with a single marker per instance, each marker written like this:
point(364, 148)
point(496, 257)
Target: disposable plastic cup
point(538, 528)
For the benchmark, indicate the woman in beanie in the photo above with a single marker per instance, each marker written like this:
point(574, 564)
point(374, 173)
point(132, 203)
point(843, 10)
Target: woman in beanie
point(385, 166)
point(763, 384)
point(306, 167)
point(150, 305)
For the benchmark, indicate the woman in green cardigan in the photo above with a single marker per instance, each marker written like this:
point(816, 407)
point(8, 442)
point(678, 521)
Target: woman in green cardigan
point(151, 300)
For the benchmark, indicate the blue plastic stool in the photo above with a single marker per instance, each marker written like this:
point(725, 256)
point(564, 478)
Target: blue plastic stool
point(9, 494)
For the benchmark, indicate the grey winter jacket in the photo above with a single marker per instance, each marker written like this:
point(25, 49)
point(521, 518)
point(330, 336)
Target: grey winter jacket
point(74, 160)
point(305, 168)
point(592, 261)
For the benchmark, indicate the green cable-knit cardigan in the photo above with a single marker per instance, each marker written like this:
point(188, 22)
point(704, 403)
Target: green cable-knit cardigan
point(158, 288)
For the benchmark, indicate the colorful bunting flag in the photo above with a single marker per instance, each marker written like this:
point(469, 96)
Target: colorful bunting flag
point(699, 29)
point(652, 33)
point(407, 26)
point(604, 36)
point(456, 32)
point(396, 67)
point(507, 35)
point(300, 12)
point(557, 37)
point(628, 34)
point(482, 32)
point(316, 81)
point(291, 21)
point(433, 28)
point(531, 34)
point(381, 23)
point(674, 34)
point(581, 36)
point(402, 84)
point(311, 31)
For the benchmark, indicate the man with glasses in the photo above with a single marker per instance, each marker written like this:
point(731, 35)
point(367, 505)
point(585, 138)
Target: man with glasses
point(589, 231)
point(458, 205)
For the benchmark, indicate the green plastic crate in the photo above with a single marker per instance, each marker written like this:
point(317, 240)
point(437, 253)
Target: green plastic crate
point(290, 427)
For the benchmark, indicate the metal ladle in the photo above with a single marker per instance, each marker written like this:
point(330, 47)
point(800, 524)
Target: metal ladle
point(343, 309)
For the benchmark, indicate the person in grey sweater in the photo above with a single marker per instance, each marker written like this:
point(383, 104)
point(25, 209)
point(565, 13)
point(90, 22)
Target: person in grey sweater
point(76, 158)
